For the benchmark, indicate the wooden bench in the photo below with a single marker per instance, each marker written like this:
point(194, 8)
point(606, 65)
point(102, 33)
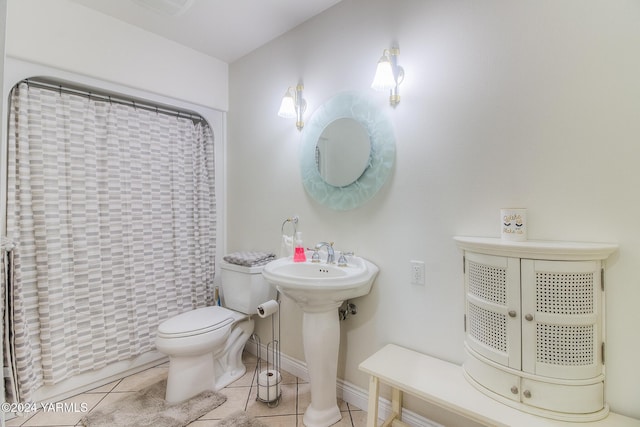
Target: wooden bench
point(443, 384)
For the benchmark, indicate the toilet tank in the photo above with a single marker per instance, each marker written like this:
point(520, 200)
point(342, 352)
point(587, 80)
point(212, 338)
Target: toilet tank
point(244, 288)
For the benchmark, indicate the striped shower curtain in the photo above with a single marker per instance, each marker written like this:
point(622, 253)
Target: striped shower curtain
point(112, 211)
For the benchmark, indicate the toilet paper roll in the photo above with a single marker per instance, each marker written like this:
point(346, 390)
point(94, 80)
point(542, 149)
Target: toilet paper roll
point(269, 385)
point(268, 308)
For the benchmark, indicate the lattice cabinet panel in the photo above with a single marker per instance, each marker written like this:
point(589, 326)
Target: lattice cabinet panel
point(563, 338)
point(492, 286)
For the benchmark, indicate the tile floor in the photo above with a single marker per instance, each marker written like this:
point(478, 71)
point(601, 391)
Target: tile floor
point(241, 395)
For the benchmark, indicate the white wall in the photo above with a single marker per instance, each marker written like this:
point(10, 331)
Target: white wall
point(71, 37)
point(532, 104)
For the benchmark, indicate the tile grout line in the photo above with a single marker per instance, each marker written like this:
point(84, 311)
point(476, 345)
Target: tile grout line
point(297, 398)
point(353, 424)
point(105, 395)
point(253, 377)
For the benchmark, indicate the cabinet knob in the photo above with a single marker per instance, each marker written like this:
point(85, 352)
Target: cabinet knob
point(514, 390)
point(512, 313)
point(529, 317)
point(526, 394)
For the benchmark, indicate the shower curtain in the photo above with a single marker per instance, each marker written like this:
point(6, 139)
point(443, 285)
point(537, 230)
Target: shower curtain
point(112, 212)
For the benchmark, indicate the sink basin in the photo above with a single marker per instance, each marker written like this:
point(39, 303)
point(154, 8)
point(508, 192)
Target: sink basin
point(320, 283)
point(319, 289)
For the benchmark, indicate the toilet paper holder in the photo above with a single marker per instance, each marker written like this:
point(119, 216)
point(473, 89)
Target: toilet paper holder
point(267, 373)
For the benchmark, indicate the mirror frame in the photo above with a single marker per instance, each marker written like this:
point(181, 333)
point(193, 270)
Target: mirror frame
point(381, 159)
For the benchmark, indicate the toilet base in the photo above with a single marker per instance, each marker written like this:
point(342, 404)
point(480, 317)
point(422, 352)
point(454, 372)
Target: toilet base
point(228, 364)
point(190, 375)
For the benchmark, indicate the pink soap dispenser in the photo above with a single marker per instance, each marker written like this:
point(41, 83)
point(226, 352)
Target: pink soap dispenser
point(298, 252)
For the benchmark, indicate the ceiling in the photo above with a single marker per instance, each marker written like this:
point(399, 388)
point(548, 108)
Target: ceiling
point(224, 29)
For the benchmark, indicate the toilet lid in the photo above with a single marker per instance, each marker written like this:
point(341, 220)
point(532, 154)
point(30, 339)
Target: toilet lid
point(195, 322)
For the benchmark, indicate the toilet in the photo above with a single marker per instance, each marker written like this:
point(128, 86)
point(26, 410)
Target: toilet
point(205, 345)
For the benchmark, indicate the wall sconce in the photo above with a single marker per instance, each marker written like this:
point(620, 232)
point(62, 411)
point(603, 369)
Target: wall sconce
point(293, 105)
point(389, 75)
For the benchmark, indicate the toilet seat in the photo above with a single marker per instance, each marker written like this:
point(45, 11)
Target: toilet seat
point(197, 322)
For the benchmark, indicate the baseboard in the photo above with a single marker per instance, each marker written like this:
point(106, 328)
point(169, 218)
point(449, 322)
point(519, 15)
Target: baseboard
point(348, 392)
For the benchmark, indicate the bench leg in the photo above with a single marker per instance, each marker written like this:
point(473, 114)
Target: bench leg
point(395, 419)
point(396, 402)
point(372, 410)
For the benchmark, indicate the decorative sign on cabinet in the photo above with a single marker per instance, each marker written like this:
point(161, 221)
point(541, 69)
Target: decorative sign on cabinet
point(534, 332)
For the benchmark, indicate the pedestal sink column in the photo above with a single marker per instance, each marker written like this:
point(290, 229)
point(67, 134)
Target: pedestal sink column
point(321, 339)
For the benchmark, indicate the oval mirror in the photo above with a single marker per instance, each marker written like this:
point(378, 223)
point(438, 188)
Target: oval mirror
point(342, 152)
point(348, 150)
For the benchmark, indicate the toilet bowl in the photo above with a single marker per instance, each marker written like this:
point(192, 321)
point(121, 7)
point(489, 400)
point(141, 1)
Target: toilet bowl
point(205, 345)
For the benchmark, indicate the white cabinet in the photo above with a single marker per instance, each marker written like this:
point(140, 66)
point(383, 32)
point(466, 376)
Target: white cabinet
point(534, 324)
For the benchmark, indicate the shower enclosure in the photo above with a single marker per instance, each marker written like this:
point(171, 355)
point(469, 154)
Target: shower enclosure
point(110, 229)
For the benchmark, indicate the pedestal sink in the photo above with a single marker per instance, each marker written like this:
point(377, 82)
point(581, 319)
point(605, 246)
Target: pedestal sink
point(320, 289)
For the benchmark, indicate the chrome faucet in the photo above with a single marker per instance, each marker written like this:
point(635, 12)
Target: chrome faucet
point(330, 253)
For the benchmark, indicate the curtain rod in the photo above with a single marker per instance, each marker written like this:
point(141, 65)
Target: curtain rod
point(113, 99)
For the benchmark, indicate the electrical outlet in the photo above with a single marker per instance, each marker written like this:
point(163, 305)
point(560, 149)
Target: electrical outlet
point(417, 272)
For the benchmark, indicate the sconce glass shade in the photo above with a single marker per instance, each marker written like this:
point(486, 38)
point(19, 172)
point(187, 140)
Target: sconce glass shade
point(384, 79)
point(288, 106)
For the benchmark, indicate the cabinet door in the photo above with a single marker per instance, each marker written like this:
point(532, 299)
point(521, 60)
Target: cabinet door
point(561, 324)
point(492, 287)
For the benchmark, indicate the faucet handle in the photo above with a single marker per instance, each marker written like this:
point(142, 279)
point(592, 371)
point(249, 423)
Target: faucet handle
point(342, 260)
point(315, 257)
